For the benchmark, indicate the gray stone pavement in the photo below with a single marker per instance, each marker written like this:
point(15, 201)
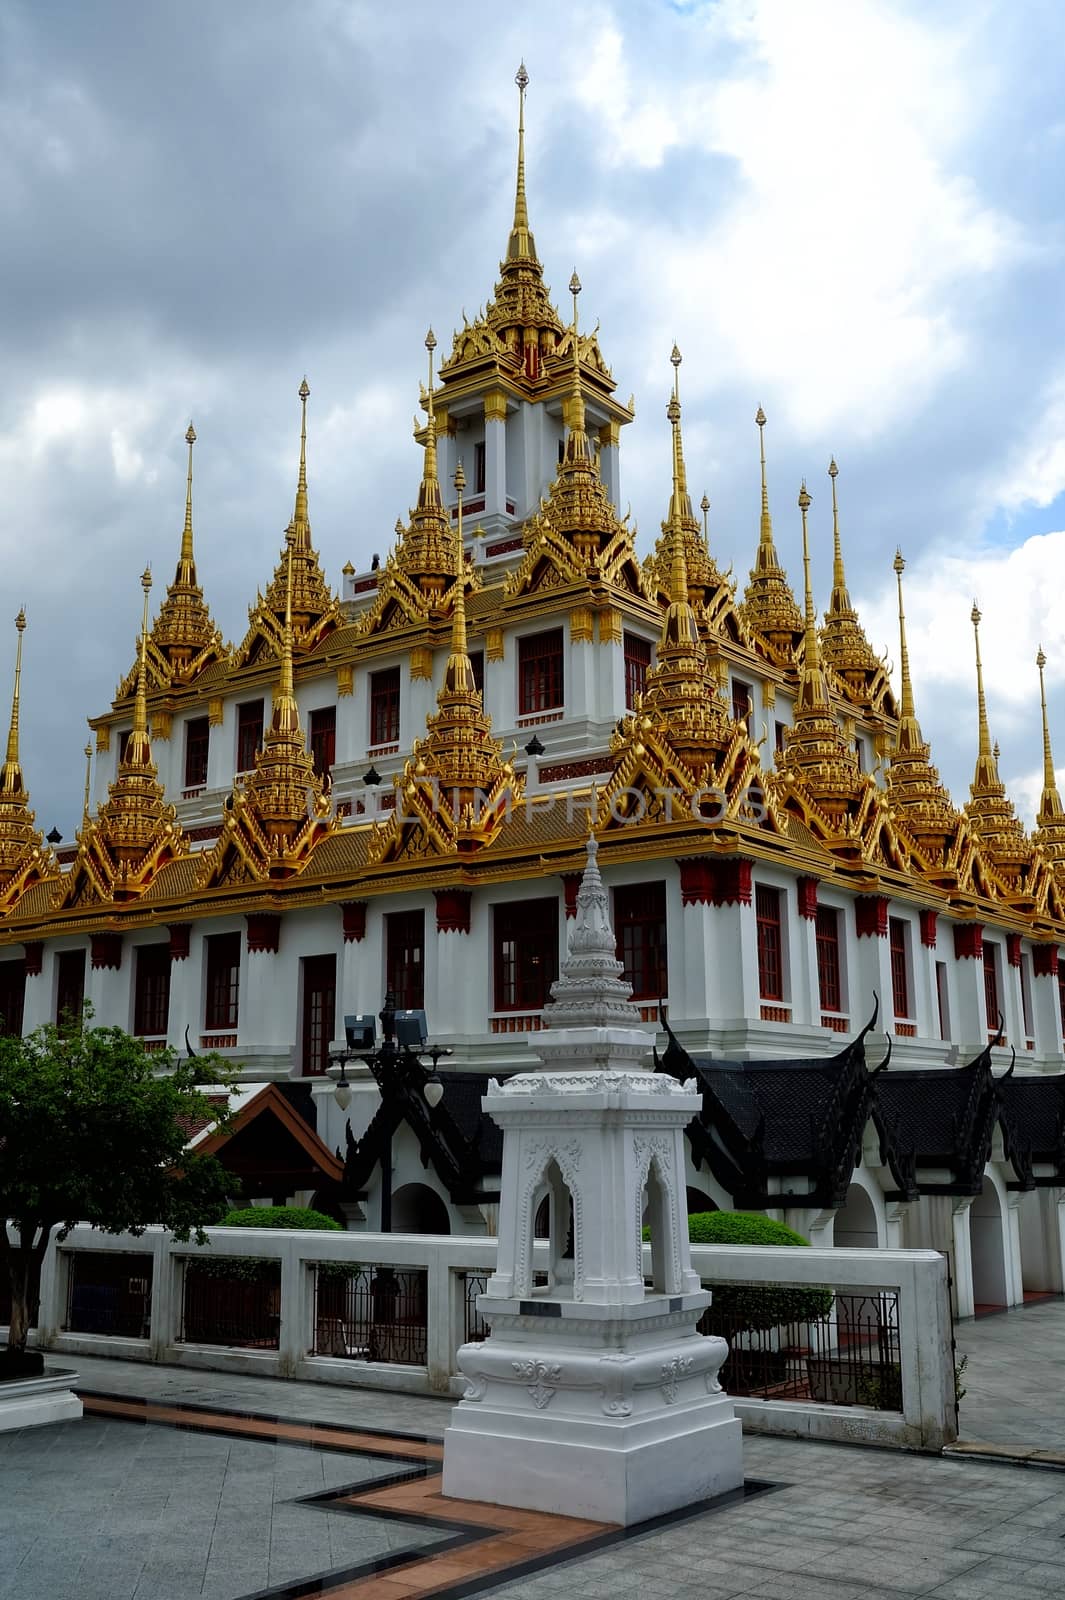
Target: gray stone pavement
point(1015, 1377)
point(148, 1513)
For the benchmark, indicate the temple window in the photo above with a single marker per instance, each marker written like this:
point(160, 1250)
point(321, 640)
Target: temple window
point(898, 934)
point(540, 672)
point(151, 990)
point(12, 996)
point(943, 999)
point(637, 662)
point(640, 930)
point(478, 468)
point(197, 742)
point(319, 1012)
point(405, 958)
point(123, 743)
point(223, 981)
point(322, 739)
point(770, 942)
point(829, 976)
point(741, 700)
point(859, 751)
point(1025, 971)
point(1061, 995)
point(384, 707)
point(477, 663)
point(991, 986)
point(70, 984)
point(526, 954)
point(780, 733)
point(249, 733)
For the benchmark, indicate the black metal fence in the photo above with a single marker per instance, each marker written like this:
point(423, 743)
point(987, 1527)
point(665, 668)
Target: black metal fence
point(841, 1348)
point(109, 1292)
point(474, 1326)
point(233, 1301)
point(368, 1313)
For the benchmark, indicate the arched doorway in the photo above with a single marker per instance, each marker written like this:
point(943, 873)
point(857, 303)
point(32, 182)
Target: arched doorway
point(855, 1226)
point(698, 1201)
point(987, 1246)
point(418, 1209)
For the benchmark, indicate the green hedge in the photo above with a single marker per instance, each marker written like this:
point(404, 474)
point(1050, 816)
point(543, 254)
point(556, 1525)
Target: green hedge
point(739, 1305)
point(280, 1217)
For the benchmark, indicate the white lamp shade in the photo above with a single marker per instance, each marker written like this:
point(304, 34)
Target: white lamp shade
point(434, 1093)
point(342, 1095)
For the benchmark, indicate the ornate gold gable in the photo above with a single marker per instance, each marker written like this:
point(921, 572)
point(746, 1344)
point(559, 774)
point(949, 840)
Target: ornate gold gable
point(456, 790)
point(818, 771)
point(711, 594)
point(280, 810)
point(24, 857)
point(418, 581)
point(135, 831)
point(680, 755)
point(997, 829)
point(576, 537)
point(861, 674)
point(769, 611)
point(315, 609)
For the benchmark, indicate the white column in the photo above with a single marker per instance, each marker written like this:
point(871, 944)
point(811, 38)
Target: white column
point(495, 454)
point(1014, 1275)
point(1047, 1019)
point(964, 1298)
point(609, 461)
point(805, 989)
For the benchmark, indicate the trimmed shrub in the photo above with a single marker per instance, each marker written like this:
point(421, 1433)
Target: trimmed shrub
point(739, 1305)
point(280, 1217)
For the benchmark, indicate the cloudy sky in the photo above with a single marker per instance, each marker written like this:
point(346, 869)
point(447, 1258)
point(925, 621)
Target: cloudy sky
point(848, 211)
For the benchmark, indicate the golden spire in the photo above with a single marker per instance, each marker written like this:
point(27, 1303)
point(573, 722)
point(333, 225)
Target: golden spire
point(458, 674)
point(765, 530)
point(681, 498)
point(429, 493)
point(813, 691)
point(11, 776)
point(844, 646)
point(88, 782)
point(909, 733)
point(1050, 807)
point(577, 445)
point(186, 572)
point(704, 506)
point(300, 524)
point(286, 717)
point(841, 600)
point(138, 753)
point(768, 603)
point(986, 773)
point(184, 638)
point(709, 594)
point(521, 246)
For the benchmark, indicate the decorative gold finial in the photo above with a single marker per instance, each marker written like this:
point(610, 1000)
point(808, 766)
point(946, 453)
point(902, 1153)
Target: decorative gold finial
point(520, 246)
point(578, 442)
point(299, 516)
point(88, 781)
point(907, 712)
point(186, 568)
point(429, 493)
point(839, 581)
point(765, 536)
point(986, 772)
point(1050, 807)
point(138, 747)
point(11, 776)
point(812, 652)
point(459, 674)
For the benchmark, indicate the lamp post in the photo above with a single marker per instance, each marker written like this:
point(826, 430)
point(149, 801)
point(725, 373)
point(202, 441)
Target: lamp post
point(397, 1058)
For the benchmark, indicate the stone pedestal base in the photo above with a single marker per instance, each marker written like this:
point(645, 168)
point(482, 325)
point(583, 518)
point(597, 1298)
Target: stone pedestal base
point(608, 1412)
point(32, 1402)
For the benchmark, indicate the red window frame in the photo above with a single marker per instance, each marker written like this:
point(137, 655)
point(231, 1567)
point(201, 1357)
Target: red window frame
point(829, 972)
point(640, 932)
point(222, 1005)
point(319, 1012)
point(405, 958)
point(741, 700)
point(767, 907)
point(541, 676)
point(384, 706)
point(322, 739)
point(992, 1004)
point(250, 723)
point(900, 977)
point(12, 997)
point(197, 746)
point(637, 665)
point(151, 990)
point(525, 941)
point(70, 984)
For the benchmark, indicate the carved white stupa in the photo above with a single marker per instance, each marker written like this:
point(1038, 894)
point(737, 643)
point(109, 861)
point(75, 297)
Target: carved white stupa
point(593, 1396)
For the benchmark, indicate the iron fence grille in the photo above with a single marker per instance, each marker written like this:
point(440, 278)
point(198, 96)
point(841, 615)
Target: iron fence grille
point(235, 1302)
point(109, 1293)
point(368, 1313)
point(474, 1327)
point(836, 1347)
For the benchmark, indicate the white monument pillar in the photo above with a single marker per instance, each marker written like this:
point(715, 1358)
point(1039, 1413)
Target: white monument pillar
point(593, 1396)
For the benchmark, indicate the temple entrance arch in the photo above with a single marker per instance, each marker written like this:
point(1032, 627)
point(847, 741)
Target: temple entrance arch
point(418, 1209)
point(989, 1247)
point(856, 1225)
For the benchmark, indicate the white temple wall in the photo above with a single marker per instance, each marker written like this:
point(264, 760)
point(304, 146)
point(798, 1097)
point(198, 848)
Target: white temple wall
point(1039, 1223)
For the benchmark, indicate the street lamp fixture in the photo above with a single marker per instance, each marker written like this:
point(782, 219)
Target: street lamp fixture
point(371, 778)
point(534, 747)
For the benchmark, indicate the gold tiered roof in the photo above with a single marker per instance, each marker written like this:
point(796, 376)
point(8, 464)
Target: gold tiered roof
point(990, 813)
point(711, 594)
point(135, 831)
point(315, 610)
point(24, 857)
point(184, 639)
point(844, 647)
point(280, 810)
point(681, 738)
point(916, 795)
point(576, 537)
point(1050, 820)
point(422, 566)
point(456, 789)
point(769, 610)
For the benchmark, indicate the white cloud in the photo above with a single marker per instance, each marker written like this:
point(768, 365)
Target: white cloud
point(1035, 474)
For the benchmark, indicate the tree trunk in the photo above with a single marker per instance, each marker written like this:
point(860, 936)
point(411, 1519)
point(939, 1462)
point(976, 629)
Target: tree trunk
point(24, 1262)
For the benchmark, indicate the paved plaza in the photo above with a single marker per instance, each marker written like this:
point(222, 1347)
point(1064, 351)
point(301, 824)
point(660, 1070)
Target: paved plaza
point(149, 1510)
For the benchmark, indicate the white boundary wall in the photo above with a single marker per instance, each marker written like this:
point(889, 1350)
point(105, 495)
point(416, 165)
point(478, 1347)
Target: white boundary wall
point(926, 1422)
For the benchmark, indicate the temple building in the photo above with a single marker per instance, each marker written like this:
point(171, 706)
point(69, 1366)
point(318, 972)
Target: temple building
point(388, 789)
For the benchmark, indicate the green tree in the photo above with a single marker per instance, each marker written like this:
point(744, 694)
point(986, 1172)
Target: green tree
point(93, 1129)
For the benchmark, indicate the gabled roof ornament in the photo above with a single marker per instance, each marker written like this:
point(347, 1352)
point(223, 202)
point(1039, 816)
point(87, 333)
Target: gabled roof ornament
point(769, 607)
point(23, 856)
point(845, 648)
point(1050, 821)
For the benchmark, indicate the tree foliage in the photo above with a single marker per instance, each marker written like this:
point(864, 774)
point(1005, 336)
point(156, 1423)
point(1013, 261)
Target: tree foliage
point(280, 1217)
point(752, 1306)
point(93, 1128)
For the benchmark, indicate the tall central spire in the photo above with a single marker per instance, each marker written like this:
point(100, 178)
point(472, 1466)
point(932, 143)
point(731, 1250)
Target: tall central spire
point(813, 691)
point(577, 444)
point(521, 245)
point(184, 639)
point(766, 552)
point(844, 646)
point(429, 491)
point(186, 572)
point(23, 857)
point(908, 737)
point(989, 811)
point(300, 525)
point(138, 753)
point(768, 603)
point(986, 773)
point(840, 600)
point(1050, 807)
point(11, 777)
